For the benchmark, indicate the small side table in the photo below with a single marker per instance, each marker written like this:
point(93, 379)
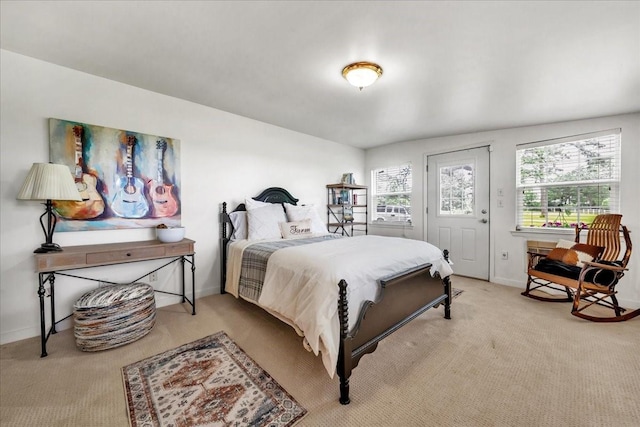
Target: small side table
point(48, 265)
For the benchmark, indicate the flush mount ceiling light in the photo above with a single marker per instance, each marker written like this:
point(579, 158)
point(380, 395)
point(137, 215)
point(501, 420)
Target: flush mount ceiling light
point(362, 74)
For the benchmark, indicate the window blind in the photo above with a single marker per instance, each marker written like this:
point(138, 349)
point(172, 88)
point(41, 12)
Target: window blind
point(391, 186)
point(568, 181)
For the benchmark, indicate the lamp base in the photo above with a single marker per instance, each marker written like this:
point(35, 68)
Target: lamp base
point(48, 247)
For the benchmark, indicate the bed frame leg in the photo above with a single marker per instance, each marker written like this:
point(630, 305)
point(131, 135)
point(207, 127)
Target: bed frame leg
point(344, 354)
point(447, 301)
point(344, 391)
point(447, 289)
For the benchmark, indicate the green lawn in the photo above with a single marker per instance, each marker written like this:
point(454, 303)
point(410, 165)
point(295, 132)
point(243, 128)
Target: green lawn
point(533, 218)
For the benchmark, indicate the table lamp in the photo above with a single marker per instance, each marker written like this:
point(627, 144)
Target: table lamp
point(49, 181)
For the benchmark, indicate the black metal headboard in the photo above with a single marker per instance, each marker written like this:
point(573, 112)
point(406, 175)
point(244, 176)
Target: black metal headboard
point(270, 195)
point(276, 195)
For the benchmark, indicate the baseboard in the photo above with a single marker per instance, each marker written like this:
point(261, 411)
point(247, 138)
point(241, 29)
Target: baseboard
point(19, 335)
point(508, 282)
point(162, 300)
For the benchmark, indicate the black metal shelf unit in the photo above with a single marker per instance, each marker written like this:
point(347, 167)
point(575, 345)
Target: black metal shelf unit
point(347, 211)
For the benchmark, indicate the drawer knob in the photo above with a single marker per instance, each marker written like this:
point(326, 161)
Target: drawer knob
point(128, 254)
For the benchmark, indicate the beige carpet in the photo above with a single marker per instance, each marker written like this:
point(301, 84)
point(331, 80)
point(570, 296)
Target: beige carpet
point(502, 360)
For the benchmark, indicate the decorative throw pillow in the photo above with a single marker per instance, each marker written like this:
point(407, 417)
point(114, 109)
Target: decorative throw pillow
point(296, 229)
point(588, 250)
point(239, 223)
point(557, 254)
point(576, 254)
point(263, 223)
point(299, 213)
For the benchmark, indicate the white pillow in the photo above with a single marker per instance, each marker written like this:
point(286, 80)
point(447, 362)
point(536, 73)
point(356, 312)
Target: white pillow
point(296, 229)
point(250, 204)
point(299, 213)
point(565, 244)
point(264, 222)
point(239, 223)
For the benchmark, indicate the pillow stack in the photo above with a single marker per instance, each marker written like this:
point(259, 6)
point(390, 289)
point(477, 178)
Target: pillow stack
point(574, 254)
point(262, 221)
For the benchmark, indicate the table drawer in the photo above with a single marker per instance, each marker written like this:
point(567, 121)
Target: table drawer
point(125, 255)
point(179, 248)
point(61, 261)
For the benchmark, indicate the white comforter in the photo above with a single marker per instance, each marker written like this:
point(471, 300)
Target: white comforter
point(301, 282)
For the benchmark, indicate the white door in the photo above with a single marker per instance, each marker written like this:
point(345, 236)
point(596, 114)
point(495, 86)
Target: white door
point(457, 214)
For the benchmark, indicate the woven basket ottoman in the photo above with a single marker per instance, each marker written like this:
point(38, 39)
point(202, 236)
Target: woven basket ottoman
point(112, 316)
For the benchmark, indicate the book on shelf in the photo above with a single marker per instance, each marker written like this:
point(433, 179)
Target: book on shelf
point(344, 196)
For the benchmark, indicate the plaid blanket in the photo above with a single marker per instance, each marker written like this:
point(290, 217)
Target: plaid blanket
point(255, 258)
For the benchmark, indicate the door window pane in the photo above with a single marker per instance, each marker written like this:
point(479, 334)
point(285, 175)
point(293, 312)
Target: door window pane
point(457, 189)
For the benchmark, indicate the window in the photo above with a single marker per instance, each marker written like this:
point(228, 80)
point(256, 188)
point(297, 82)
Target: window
point(568, 181)
point(457, 189)
point(391, 194)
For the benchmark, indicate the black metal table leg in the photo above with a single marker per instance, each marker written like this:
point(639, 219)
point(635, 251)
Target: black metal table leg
point(182, 261)
point(193, 284)
point(53, 302)
point(43, 332)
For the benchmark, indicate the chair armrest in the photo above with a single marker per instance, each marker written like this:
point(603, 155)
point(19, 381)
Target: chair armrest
point(599, 277)
point(538, 254)
point(534, 258)
point(604, 266)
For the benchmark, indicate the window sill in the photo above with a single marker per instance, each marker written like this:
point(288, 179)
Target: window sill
point(552, 232)
point(391, 224)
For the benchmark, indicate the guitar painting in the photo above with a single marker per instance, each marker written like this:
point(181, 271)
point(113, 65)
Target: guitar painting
point(126, 179)
point(92, 204)
point(129, 201)
point(163, 201)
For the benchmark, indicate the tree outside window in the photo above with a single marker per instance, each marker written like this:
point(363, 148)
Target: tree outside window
point(569, 181)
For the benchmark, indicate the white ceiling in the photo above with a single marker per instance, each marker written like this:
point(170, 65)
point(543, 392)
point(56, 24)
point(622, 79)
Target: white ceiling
point(449, 67)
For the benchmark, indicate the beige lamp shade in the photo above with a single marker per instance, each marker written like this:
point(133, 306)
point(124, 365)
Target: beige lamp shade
point(49, 181)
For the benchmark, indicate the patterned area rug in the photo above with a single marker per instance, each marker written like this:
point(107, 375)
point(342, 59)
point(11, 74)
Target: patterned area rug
point(209, 382)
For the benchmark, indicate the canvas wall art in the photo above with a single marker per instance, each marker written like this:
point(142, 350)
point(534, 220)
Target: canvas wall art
point(126, 179)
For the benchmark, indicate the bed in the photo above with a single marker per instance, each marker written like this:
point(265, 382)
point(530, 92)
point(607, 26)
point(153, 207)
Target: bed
point(343, 295)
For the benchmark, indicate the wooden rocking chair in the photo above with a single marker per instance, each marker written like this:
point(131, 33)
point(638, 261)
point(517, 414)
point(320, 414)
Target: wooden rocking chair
point(592, 282)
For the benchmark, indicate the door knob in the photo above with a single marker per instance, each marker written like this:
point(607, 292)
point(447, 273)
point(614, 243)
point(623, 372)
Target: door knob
point(484, 220)
point(484, 211)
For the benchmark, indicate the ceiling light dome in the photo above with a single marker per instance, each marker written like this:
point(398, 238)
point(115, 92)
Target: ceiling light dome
point(362, 74)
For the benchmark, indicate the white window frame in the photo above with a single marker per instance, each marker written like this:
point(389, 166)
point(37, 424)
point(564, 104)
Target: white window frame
point(570, 168)
point(378, 190)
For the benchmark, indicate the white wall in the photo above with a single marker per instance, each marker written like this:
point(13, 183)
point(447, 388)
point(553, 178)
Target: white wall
point(225, 157)
point(503, 173)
